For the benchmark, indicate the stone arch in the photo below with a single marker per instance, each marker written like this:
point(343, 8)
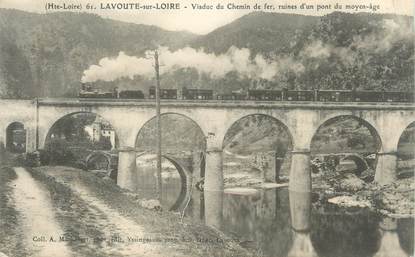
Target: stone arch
point(187, 118)
point(51, 128)
point(360, 162)
point(278, 120)
point(185, 171)
point(185, 133)
point(93, 154)
point(16, 137)
point(409, 136)
point(276, 159)
point(405, 152)
point(65, 144)
point(352, 143)
point(365, 122)
point(185, 178)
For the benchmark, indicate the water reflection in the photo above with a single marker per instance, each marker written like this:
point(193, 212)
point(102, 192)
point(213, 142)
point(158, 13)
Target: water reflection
point(300, 212)
point(147, 180)
point(406, 234)
point(302, 246)
point(336, 232)
point(292, 227)
point(283, 223)
point(389, 242)
point(260, 220)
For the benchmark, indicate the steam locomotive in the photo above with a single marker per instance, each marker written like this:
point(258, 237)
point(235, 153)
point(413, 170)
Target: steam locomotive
point(88, 91)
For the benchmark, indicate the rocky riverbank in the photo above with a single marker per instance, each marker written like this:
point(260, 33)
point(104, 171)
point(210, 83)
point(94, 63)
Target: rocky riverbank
point(351, 191)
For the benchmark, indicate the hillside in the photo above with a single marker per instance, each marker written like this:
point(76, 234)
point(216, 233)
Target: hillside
point(261, 32)
point(335, 51)
point(46, 54)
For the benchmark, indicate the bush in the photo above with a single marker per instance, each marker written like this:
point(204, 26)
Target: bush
point(80, 164)
point(32, 159)
point(43, 157)
point(57, 153)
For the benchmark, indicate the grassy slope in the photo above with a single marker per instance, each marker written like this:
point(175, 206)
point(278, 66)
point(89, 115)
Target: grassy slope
point(164, 224)
point(10, 233)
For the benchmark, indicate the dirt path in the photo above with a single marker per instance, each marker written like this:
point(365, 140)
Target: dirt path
point(122, 232)
point(114, 224)
point(38, 220)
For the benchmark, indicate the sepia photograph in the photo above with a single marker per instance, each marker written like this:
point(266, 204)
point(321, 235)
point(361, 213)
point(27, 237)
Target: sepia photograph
point(225, 128)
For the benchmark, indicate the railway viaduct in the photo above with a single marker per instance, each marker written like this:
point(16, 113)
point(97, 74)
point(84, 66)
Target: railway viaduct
point(386, 121)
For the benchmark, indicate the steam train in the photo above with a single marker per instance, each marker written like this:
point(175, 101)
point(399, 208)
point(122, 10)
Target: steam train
point(88, 91)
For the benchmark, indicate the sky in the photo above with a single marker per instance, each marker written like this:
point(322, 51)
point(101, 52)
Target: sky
point(202, 21)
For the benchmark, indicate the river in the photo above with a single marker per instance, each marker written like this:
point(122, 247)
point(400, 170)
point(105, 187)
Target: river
point(261, 220)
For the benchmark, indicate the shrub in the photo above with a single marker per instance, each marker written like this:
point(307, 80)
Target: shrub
point(32, 159)
point(57, 153)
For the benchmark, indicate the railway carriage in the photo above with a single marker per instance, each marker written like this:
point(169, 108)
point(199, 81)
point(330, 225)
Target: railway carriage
point(87, 91)
point(368, 96)
point(164, 93)
point(299, 95)
point(197, 94)
point(232, 96)
point(131, 94)
point(334, 96)
point(398, 97)
point(265, 95)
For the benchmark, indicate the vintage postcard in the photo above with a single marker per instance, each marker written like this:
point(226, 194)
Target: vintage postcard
point(269, 128)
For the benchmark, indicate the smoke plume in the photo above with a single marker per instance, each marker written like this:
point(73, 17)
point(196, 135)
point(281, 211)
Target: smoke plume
point(242, 61)
point(392, 32)
point(215, 66)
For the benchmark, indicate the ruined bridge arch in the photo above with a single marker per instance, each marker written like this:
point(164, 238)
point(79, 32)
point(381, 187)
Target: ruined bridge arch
point(184, 165)
point(360, 162)
point(185, 170)
point(96, 154)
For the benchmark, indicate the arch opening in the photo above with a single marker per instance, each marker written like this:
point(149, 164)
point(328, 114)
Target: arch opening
point(256, 154)
point(354, 162)
point(256, 150)
point(16, 137)
point(342, 145)
point(98, 161)
point(406, 152)
point(178, 133)
point(76, 136)
point(183, 145)
point(183, 190)
point(175, 179)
